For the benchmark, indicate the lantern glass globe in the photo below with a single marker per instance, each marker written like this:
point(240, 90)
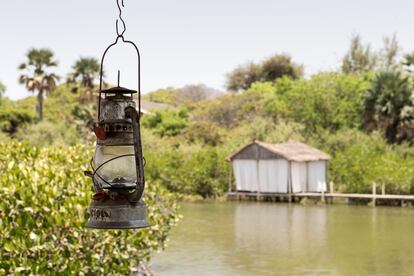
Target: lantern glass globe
point(120, 172)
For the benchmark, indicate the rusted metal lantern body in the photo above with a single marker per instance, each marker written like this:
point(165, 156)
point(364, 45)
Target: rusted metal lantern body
point(117, 166)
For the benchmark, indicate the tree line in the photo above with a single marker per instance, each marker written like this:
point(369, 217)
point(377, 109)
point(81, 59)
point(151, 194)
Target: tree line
point(360, 113)
point(388, 104)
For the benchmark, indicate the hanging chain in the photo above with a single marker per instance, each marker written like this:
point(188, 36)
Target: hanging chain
point(120, 18)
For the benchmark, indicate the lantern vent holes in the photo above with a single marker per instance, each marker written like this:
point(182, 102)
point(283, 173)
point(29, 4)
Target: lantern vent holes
point(119, 127)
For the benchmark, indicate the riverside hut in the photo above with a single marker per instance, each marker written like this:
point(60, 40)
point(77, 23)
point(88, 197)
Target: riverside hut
point(285, 168)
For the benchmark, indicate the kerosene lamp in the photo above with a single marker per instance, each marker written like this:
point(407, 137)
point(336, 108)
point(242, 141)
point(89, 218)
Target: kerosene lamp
point(118, 164)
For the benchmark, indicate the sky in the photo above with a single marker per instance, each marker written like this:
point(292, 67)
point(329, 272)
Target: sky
point(194, 41)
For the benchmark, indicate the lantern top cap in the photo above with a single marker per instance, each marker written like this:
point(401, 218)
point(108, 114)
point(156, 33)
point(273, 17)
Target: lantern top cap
point(118, 90)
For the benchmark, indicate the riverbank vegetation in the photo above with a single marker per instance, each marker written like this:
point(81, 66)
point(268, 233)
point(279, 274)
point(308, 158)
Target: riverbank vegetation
point(362, 114)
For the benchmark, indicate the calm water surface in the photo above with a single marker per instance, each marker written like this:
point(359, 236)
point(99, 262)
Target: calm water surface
point(241, 238)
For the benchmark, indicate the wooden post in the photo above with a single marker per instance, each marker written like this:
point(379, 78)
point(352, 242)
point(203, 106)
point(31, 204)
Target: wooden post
point(374, 192)
point(230, 174)
point(383, 188)
point(258, 173)
point(290, 181)
point(307, 177)
point(326, 181)
point(326, 174)
point(331, 191)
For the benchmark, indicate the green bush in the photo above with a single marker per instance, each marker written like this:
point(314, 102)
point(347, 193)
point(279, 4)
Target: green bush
point(359, 160)
point(46, 134)
point(327, 100)
point(204, 132)
point(168, 96)
point(167, 123)
point(208, 172)
point(194, 169)
point(12, 120)
point(43, 212)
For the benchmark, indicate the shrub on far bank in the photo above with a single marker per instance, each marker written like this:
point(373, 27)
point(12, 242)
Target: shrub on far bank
point(359, 160)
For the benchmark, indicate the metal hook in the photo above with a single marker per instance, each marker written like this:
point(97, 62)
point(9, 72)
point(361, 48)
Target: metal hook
point(120, 18)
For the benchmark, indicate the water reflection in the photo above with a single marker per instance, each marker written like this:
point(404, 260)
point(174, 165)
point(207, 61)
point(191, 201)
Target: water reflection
point(279, 239)
point(279, 234)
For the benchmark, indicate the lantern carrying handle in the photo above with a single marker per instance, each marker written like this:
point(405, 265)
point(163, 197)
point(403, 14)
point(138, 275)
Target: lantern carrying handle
point(120, 36)
point(132, 113)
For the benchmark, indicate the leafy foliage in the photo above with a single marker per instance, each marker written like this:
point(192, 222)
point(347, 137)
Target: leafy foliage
point(243, 77)
point(46, 134)
point(360, 58)
point(269, 70)
point(328, 100)
point(359, 160)
point(187, 139)
point(11, 120)
point(228, 111)
point(85, 70)
point(203, 132)
point(388, 104)
point(188, 170)
point(390, 53)
point(43, 215)
point(167, 123)
point(166, 95)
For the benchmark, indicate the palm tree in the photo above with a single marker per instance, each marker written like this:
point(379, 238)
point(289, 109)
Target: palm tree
point(408, 62)
point(2, 90)
point(36, 76)
point(85, 70)
point(386, 103)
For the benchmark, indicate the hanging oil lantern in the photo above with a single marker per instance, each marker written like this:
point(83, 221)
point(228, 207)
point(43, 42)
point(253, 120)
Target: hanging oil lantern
point(118, 164)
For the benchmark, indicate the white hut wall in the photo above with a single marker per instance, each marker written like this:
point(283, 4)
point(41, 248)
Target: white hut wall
point(273, 176)
point(245, 173)
point(299, 177)
point(317, 176)
point(258, 169)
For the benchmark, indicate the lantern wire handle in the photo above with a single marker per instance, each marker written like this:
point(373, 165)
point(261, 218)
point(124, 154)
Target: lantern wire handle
point(120, 18)
point(120, 36)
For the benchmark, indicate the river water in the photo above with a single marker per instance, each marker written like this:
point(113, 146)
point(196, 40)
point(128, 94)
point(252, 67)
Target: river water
point(245, 238)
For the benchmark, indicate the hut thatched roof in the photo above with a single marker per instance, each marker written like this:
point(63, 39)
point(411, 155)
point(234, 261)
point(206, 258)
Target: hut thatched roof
point(292, 151)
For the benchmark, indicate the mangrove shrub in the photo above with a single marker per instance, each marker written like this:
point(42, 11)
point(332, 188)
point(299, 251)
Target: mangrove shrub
point(44, 198)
